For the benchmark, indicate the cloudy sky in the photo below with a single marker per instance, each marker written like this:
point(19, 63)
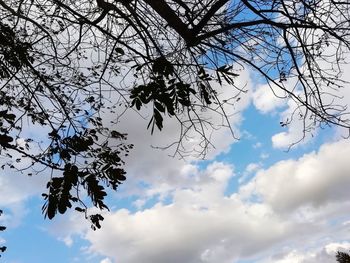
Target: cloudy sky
point(250, 200)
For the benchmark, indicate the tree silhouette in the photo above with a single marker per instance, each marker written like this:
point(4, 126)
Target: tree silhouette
point(64, 63)
point(2, 228)
point(343, 257)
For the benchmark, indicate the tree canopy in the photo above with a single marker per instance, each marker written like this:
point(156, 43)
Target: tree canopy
point(342, 257)
point(64, 63)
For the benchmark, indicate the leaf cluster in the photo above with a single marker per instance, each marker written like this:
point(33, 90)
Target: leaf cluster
point(169, 94)
point(101, 167)
point(342, 257)
point(14, 53)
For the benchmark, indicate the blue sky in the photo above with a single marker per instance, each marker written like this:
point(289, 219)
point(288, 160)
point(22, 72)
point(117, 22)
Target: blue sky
point(249, 201)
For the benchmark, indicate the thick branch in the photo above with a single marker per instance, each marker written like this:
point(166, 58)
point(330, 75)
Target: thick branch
point(208, 16)
point(165, 11)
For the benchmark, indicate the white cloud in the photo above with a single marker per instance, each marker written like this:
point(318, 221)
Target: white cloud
point(304, 257)
point(15, 190)
point(264, 156)
point(106, 260)
point(326, 253)
point(268, 99)
point(155, 167)
point(297, 127)
point(16, 186)
point(150, 166)
point(314, 179)
point(251, 168)
point(192, 229)
point(298, 203)
point(333, 248)
point(334, 100)
point(68, 241)
point(257, 145)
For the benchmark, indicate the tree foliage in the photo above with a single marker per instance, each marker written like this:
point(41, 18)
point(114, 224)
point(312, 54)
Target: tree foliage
point(342, 257)
point(64, 63)
point(2, 228)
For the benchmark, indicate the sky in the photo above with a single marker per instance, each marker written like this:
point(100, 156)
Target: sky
point(250, 200)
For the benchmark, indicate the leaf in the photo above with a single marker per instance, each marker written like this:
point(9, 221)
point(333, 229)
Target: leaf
point(162, 66)
point(149, 124)
point(119, 50)
point(5, 140)
point(79, 209)
point(159, 106)
point(95, 220)
point(58, 199)
point(64, 154)
point(64, 204)
point(204, 93)
point(158, 119)
point(96, 192)
point(117, 135)
point(51, 208)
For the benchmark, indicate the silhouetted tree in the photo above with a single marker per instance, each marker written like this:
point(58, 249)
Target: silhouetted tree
point(343, 257)
point(2, 228)
point(64, 63)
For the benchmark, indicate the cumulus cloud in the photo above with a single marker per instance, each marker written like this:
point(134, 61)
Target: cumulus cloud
point(305, 257)
point(145, 165)
point(106, 260)
point(16, 189)
point(290, 204)
point(156, 168)
point(268, 99)
point(323, 254)
point(300, 128)
point(295, 123)
point(201, 225)
point(250, 169)
point(315, 179)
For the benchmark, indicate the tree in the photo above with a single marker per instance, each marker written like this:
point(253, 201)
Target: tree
point(64, 63)
point(342, 257)
point(2, 228)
